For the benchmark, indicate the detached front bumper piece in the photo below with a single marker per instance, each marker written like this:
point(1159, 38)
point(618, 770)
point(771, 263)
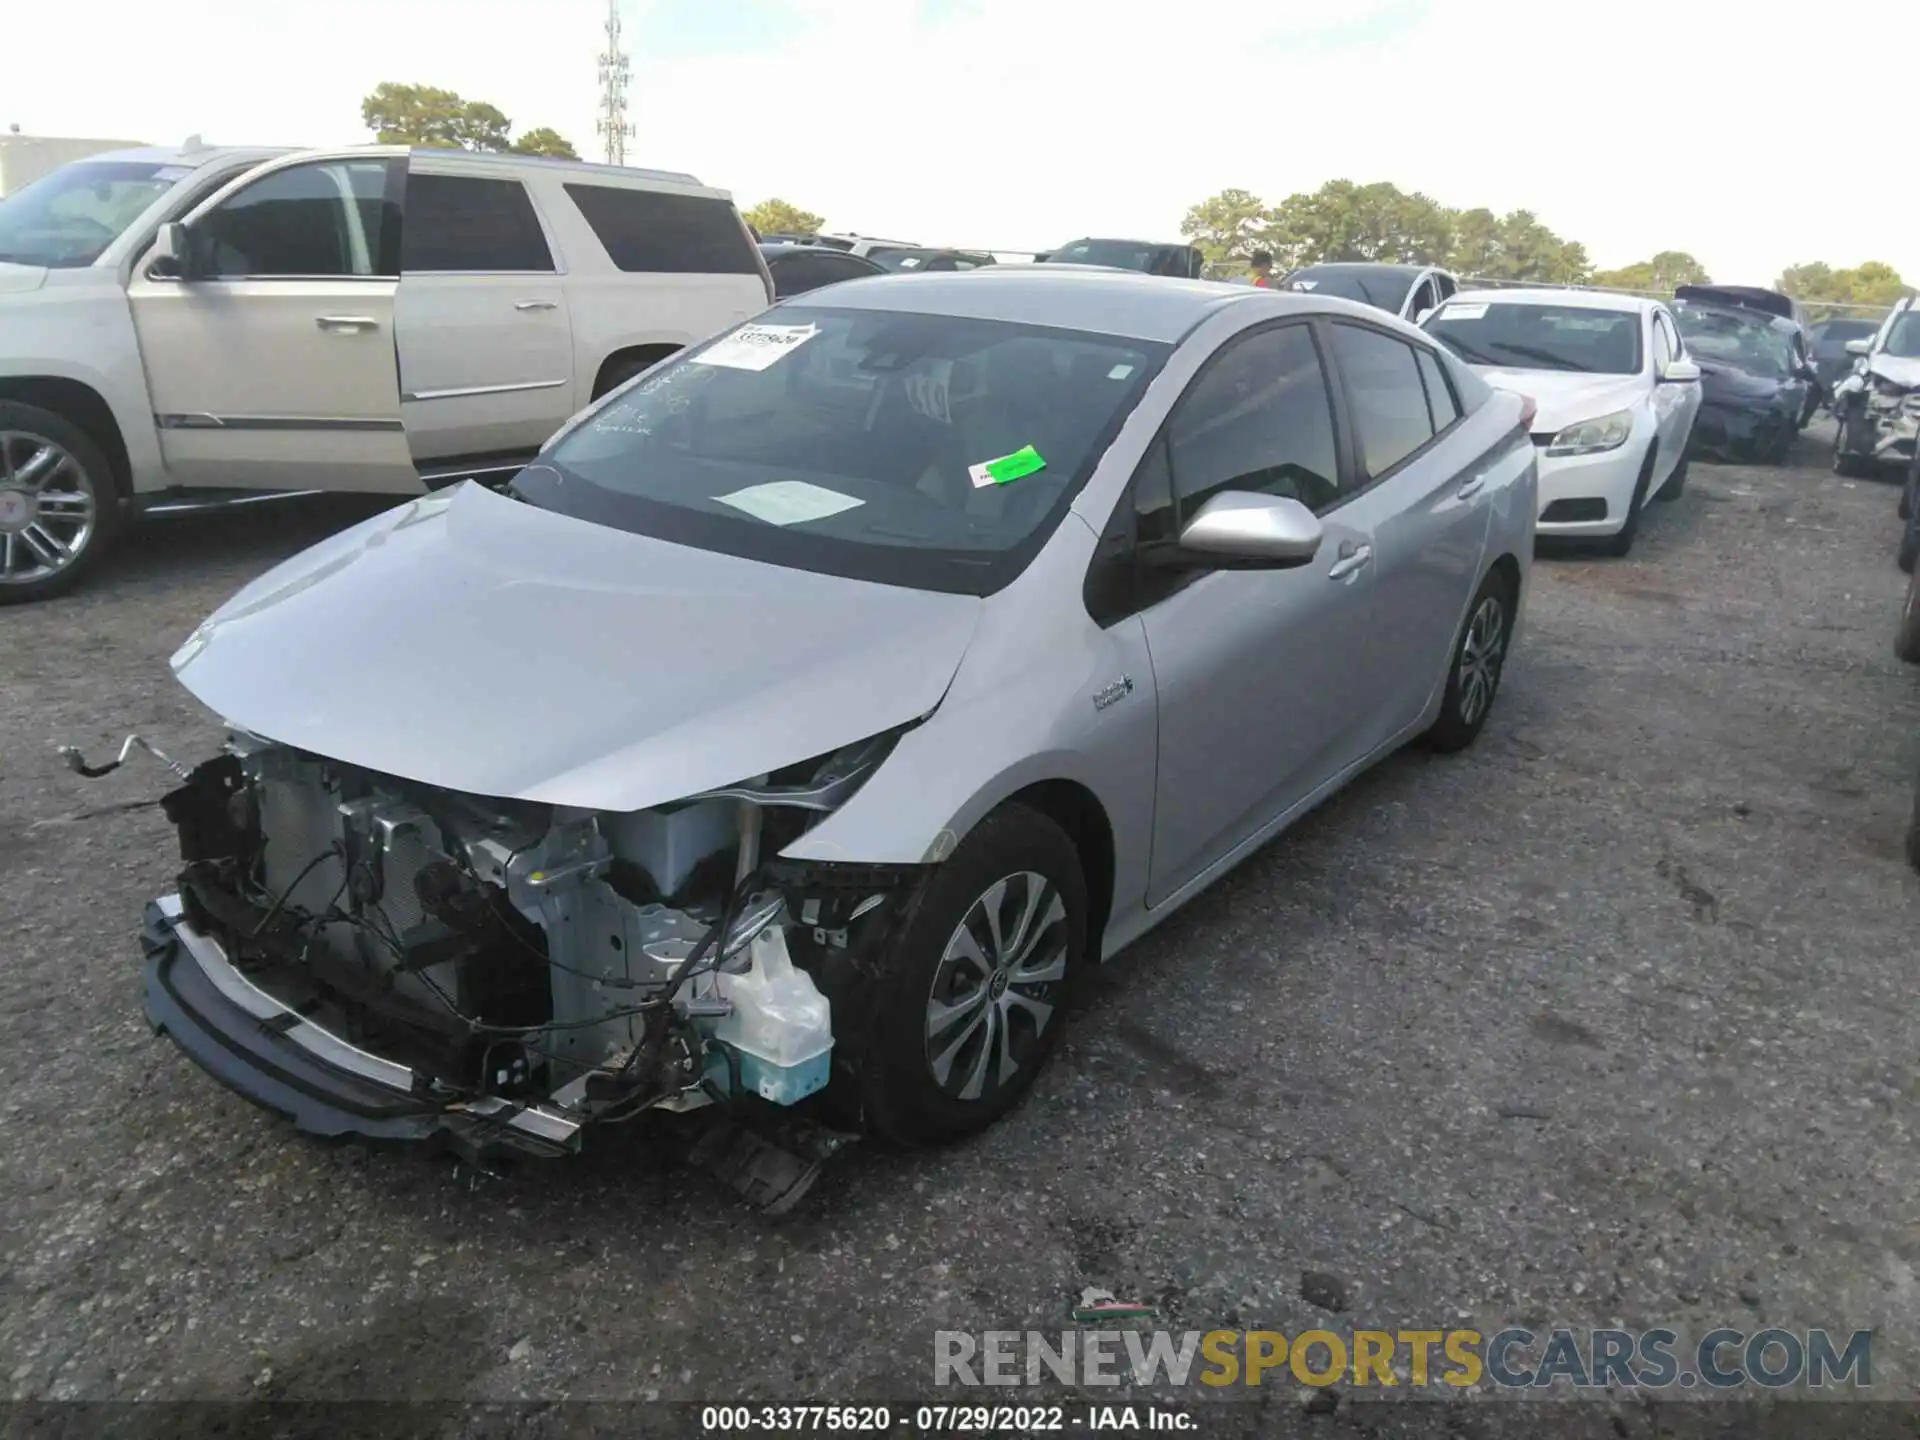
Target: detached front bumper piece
point(266, 1052)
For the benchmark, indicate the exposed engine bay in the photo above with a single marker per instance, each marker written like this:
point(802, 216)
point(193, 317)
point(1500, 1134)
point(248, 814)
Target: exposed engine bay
point(511, 972)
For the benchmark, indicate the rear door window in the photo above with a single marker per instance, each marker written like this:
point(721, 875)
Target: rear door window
point(466, 223)
point(1440, 402)
point(1389, 401)
point(658, 232)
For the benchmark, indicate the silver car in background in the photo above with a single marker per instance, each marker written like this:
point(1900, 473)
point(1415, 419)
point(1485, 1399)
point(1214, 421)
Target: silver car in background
point(822, 703)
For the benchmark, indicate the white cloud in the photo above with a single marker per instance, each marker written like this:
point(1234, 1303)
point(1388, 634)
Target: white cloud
point(1633, 125)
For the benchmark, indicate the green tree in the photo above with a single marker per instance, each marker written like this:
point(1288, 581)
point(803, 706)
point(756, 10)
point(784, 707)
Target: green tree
point(1345, 221)
point(423, 115)
point(1228, 227)
point(1872, 283)
point(1660, 275)
point(777, 217)
point(1476, 243)
point(543, 141)
point(1515, 246)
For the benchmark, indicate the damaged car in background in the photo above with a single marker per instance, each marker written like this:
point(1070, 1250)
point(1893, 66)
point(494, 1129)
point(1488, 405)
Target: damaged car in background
point(1878, 405)
point(786, 735)
point(1758, 384)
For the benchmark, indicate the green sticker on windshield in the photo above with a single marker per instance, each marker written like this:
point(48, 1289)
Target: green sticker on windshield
point(1023, 461)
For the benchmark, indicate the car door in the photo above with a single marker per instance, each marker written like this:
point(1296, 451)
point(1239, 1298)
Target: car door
point(270, 360)
point(1256, 671)
point(485, 338)
point(1675, 403)
point(1422, 492)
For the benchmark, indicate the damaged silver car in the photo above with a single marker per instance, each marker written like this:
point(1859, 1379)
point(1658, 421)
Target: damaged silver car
point(1878, 405)
point(795, 730)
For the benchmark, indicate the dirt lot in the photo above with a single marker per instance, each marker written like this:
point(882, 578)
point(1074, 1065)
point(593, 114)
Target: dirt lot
point(1607, 1021)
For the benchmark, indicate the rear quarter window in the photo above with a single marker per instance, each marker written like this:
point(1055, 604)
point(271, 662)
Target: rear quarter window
point(652, 231)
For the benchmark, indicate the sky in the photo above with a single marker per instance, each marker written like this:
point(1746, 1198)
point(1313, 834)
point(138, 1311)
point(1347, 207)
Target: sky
point(1631, 126)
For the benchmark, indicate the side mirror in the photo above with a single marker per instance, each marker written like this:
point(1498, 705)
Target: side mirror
point(1237, 529)
point(1859, 347)
point(1679, 372)
point(171, 248)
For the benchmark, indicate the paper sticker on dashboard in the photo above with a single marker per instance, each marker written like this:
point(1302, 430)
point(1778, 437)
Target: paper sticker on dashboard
point(755, 347)
point(789, 502)
point(1462, 312)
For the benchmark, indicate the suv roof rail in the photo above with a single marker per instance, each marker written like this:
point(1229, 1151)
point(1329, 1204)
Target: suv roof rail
point(514, 157)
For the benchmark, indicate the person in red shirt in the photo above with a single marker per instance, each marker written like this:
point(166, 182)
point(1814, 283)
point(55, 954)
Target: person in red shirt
point(1262, 263)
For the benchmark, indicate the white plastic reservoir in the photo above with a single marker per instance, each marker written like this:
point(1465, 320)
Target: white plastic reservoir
point(780, 1026)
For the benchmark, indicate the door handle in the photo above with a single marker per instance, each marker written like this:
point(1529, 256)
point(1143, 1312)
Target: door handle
point(1471, 488)
point(533, 305)
point(346, 324)
point(1352, 557)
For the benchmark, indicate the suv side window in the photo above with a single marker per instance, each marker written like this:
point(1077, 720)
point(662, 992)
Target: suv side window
point(331, 218)
point(1384, 390)
point(657, 232)
point(463, 222)
point(1258, 418)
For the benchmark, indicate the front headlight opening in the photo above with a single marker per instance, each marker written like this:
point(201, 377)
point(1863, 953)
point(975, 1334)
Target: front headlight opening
point(1590, 437)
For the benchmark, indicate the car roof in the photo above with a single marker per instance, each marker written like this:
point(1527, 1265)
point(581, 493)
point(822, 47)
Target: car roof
point(512, 160)
point(1365, 267)
point(1118, 240)
point(1566, 299)
point(775, 249)
point(197, 157)
point(1107, 302)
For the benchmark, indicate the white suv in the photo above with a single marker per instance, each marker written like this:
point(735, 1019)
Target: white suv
point(182, 323)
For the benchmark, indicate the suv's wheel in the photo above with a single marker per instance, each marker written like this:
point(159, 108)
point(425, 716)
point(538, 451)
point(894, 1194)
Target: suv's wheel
point(58, 509)
point(974, 1000)
point(1478, 660)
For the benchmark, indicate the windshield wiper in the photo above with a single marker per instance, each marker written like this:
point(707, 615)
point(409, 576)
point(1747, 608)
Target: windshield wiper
point(1546, 357)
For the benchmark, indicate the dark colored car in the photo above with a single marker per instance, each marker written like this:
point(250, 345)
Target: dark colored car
point(797, 269)
point(1408, 291)
point(1827, 343)
point(1147, 256)
point(1757, 386)
point(908, 259)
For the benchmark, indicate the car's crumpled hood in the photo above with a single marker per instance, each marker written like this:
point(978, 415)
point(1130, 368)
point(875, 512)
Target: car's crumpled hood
point(1730, 385)
point(1564, 396)
point(1896, 369)
point(473, 642)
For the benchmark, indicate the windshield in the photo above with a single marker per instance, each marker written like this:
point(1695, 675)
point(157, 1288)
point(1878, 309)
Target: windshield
point(67, 218)
point(1382, 289)
point(1540, 337)
point(928, 451)
point(1121, 254)
point(1734, 337)
point(1903, 339)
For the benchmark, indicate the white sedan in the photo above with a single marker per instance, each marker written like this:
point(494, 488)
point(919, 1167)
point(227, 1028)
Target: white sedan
point(1616, 393)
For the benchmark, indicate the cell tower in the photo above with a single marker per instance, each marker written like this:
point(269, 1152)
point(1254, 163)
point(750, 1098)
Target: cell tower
point(613, 126)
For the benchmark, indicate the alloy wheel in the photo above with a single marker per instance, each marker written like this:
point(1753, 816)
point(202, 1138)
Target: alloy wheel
point(997, 987)
point(1480, 657)
point(48, 510)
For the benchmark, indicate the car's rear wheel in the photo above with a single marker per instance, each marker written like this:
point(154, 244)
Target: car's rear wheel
point(1913, 831)
point(58, 507)
point(1621, 542)
point(1909, 550)
point(1479, 659)
point(1906, 640)
point(974, 999)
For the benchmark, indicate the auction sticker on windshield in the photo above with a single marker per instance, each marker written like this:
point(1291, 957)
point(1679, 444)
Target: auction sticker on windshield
point(1462, 312)
point(755, 347)
point(789, 502)
point(1021, 462)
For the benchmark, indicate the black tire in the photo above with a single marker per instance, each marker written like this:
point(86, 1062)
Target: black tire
point(906, 1097)
point(1909, 550)
point(1621, 543)
point(1482, 650)
point(1848, 463)
point(76, 533)
point(1676, 482)
point(1906, 640)
point(1905, 508)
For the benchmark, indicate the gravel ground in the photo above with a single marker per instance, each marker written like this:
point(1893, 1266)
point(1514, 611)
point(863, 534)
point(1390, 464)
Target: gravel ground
point(1604, 1022)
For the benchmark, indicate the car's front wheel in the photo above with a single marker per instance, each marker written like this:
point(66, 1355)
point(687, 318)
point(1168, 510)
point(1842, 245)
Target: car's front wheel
point(1479, 658)
point(58, 510)
point(974, 999)
point(1676, 482)
point(1621, 541)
